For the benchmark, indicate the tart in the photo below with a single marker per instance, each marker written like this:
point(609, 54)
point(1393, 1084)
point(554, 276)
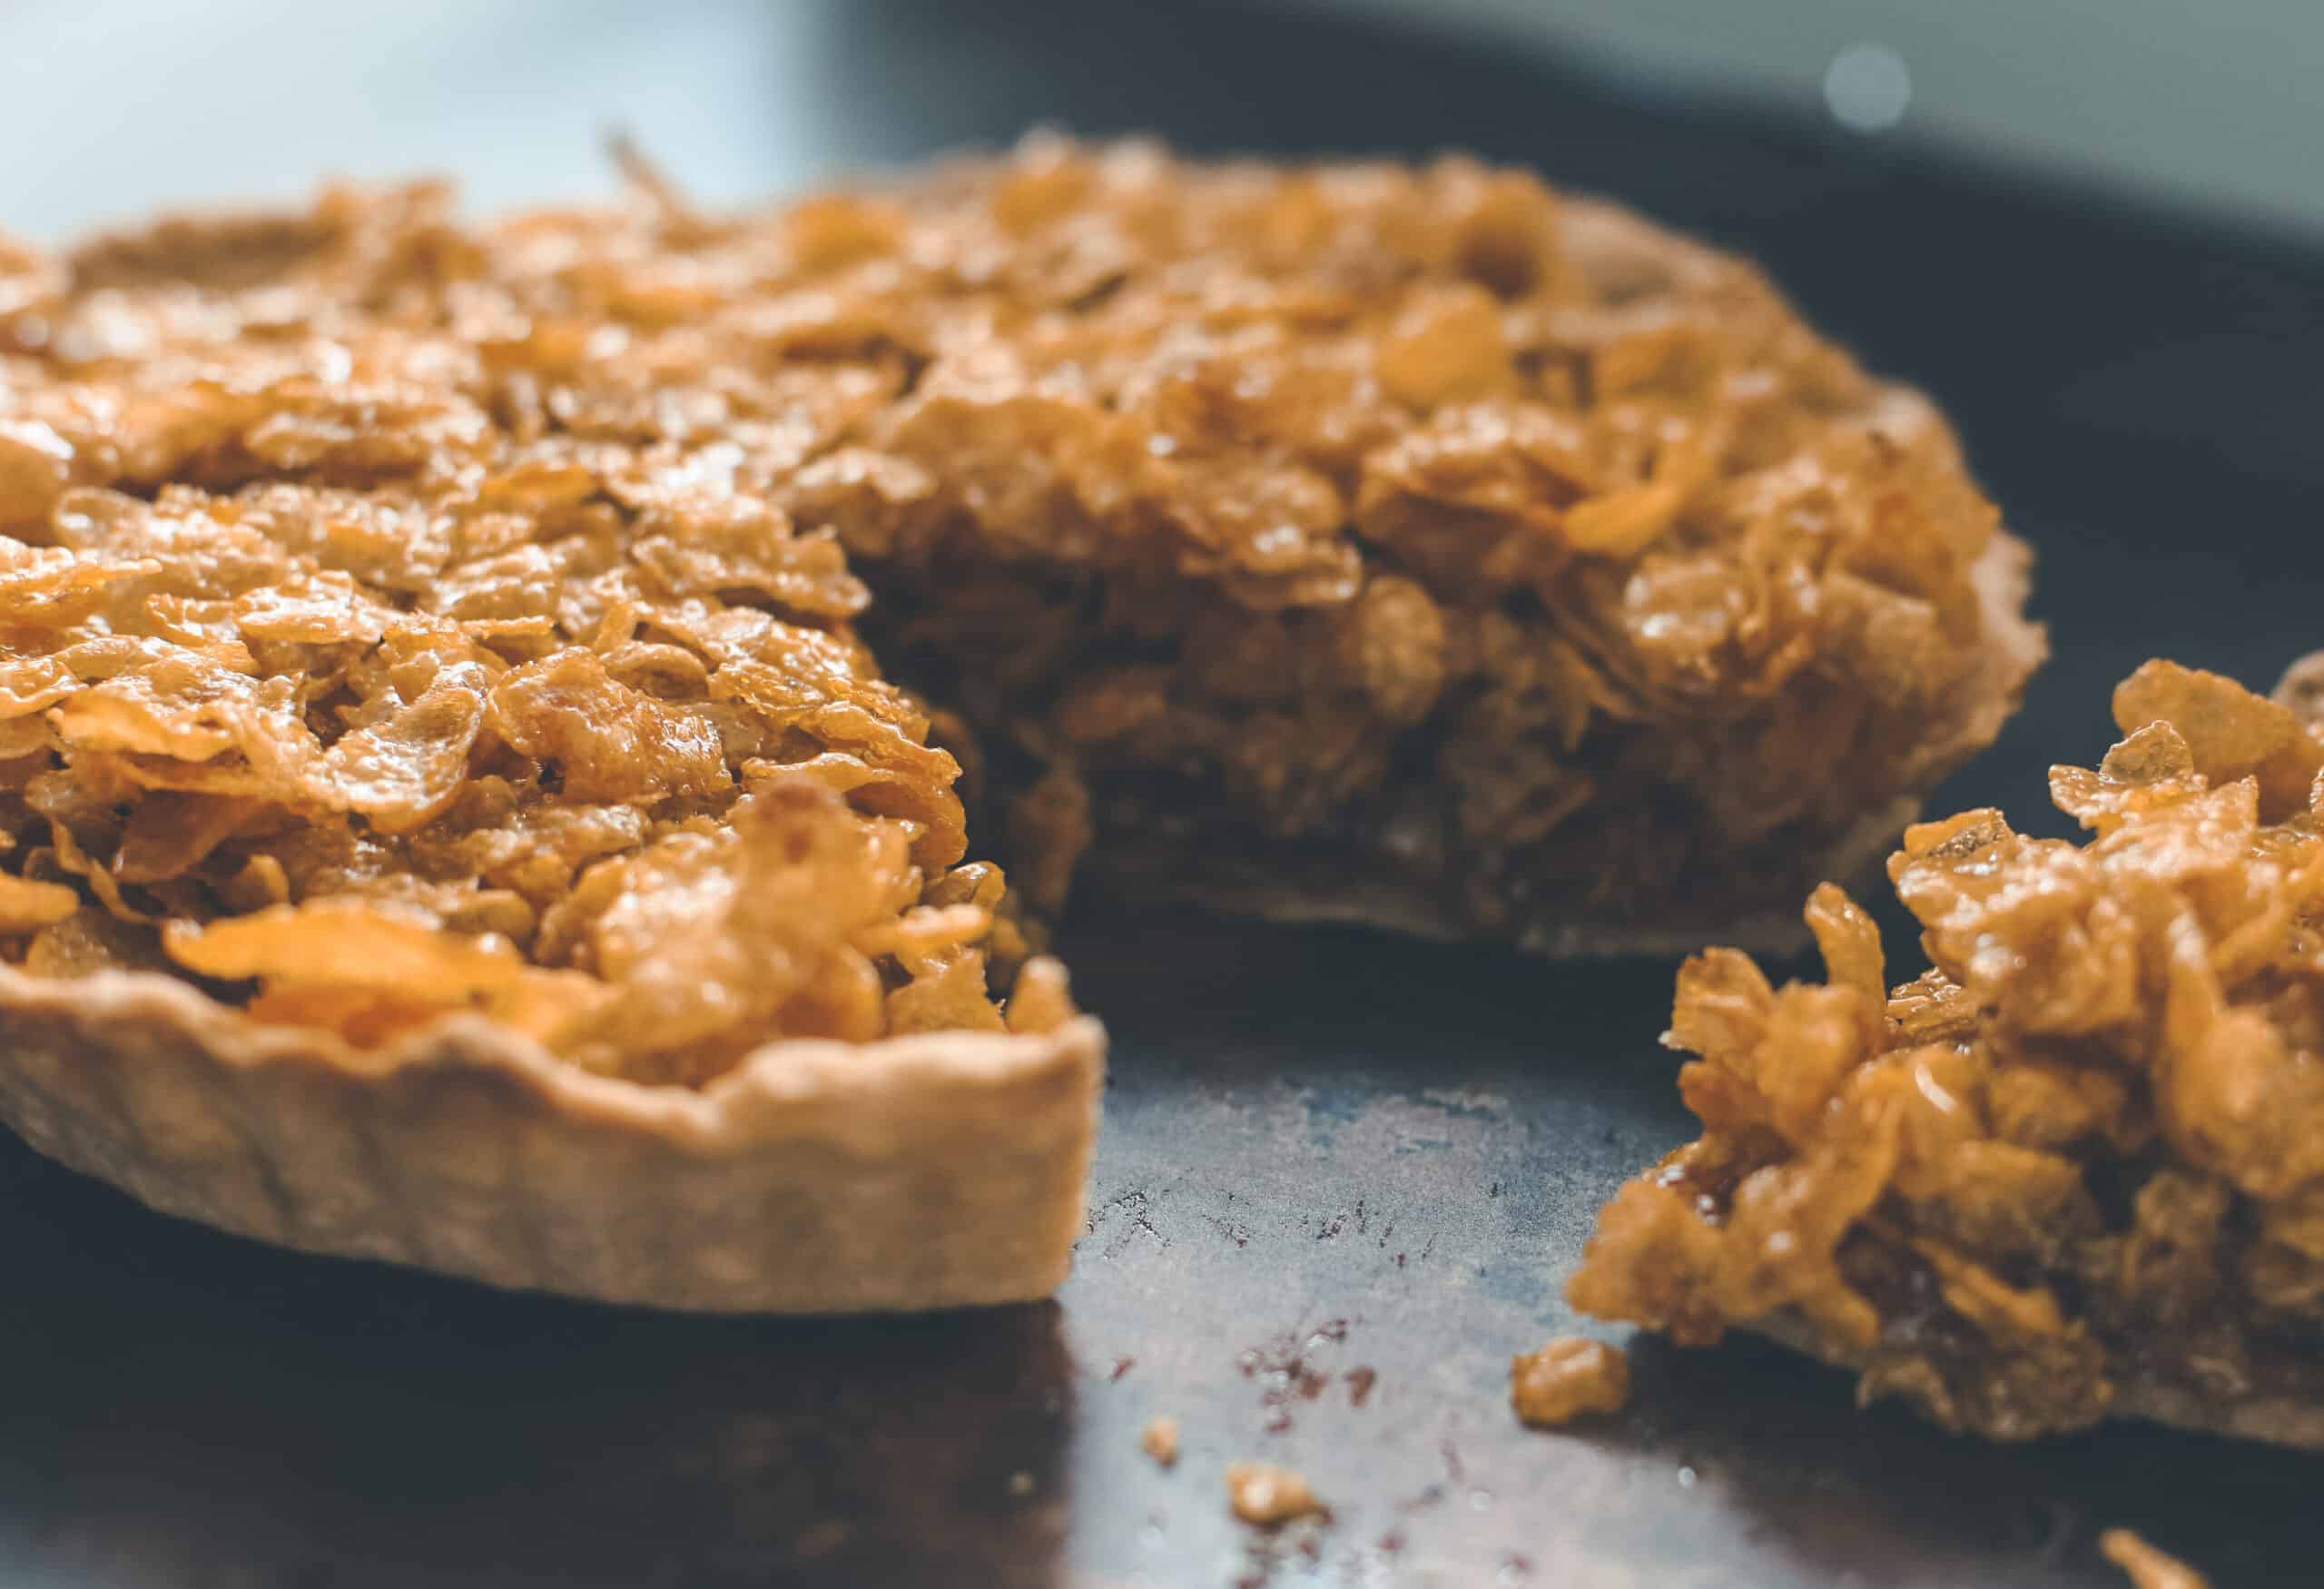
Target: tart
point(459, 797)
point(2075, 1169)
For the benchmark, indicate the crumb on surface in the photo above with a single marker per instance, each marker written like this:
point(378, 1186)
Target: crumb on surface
point(1568, 1378)
point(1160, 1439)
point(2147, 1568)
point(1266, 1495)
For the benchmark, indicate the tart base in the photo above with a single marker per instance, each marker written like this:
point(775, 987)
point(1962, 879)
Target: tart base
point(934, 1170)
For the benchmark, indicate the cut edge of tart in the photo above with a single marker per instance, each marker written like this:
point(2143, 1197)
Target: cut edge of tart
point(2075, 1170)
point(2015, 646)
point(931, 1171)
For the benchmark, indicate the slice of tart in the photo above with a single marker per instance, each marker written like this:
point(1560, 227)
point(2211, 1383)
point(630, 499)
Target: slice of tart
point(2075, 1171)
point(446, 813)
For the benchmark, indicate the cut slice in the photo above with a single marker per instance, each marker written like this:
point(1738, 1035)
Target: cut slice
point(936, 1170)
point(2075, 1170)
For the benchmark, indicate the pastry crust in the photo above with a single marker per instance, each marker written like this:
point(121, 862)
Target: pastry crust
point(933, 1170)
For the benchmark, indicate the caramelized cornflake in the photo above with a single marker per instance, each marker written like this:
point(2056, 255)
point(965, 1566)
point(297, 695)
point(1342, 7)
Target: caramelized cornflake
point(2086, 1148)
point(1570, 1378)
point(1418, 536)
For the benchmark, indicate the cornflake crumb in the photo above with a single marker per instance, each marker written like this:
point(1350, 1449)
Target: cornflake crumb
point(1569, 1377)
point(1161, 1440)
point(2148, 1567)
point(1264, 1494)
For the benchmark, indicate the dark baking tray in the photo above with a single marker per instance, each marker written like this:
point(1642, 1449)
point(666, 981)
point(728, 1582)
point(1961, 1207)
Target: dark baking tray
point(1343, 1177)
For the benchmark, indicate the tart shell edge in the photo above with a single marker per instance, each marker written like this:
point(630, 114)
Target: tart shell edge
point(932, 1171)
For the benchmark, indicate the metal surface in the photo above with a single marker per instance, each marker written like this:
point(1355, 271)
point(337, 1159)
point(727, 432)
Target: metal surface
point(1343, 1177)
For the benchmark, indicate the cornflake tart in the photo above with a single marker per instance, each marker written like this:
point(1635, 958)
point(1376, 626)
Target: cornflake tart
point(450, 814)
point(2076, 1170)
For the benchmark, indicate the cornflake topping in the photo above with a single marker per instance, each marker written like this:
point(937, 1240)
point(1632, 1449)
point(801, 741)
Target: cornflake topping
point(396, 621)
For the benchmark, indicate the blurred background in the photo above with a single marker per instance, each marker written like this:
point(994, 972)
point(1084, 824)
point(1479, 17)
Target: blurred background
point(2206, 102)
point(2202, 103)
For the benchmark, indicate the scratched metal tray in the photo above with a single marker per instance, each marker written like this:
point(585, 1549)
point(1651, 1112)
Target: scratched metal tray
point(1343, 1177)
